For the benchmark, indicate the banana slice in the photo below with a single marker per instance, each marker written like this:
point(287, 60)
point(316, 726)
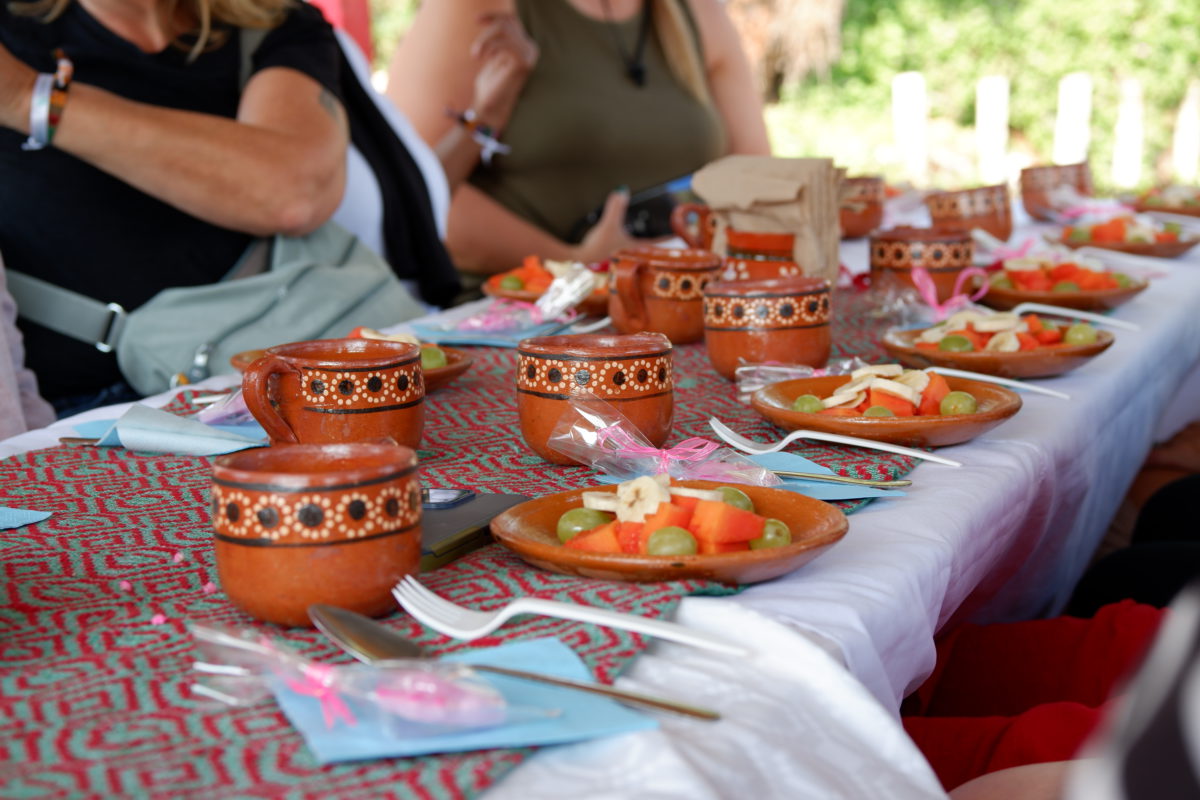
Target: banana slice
point(961, 319)
point(1004, 321)
point(915, 379)
point(882, 370)
point(897, 389)
point(1023, 264)
point(844, 399)
point(638, 498)
point(1006, 342)
point(371, 333)
point(600, 501)
point(664, 480)
point(699, 494)
point(934, 334)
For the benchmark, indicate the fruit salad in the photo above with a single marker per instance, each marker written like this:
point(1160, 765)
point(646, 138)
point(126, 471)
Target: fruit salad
point(1173, 196)
point(1129, 229)
point(889, 390)
point(536, 275)
point(1040, 275)
point(1003, 332)
point(650, 516)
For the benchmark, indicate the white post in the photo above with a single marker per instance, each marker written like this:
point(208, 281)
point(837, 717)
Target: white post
point(1127, 148)
point(1185, 148)
point(910, 123)
point(1072, 124)
point(991, 127)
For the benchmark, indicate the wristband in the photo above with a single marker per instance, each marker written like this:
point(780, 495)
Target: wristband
point(482, 134)
point(47, 103)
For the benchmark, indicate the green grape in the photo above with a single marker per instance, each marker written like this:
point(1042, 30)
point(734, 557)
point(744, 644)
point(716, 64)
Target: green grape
point(578, 520)
point(511, 282)
point(672, 541)
point(808, 403)
point(1065, 286)
point(1080, 235)
point(433, 357)
point(736, 498)
point(958, 403)
point(879, 411)
point(1123, 280)
point(775, 534)
point(1002, 281)
point(956, 344)
point(1172, 227)
point(1080, 333)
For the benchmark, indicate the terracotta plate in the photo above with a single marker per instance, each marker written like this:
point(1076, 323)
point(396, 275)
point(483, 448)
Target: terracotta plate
point(1190, 211)
point(457, 362)
point(1083, 300)
point(1041, 363)
point(996, 404)
point(529, 531)
point(1155, 249)
point(594, 305)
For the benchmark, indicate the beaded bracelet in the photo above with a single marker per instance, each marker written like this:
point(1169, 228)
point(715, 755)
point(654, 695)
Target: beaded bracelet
point(48, 102)
point(482, 134)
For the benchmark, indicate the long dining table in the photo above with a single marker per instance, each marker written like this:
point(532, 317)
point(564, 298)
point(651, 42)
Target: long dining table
point(836, 644)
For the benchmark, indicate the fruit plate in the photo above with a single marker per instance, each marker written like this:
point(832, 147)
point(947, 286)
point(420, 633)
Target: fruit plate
point(457, 362)
point(1043, 362)
point(529, 531)
point(594, 305)
point(996, 404)
point(1082, 300)
point(1146, 208)
point(1154, 249)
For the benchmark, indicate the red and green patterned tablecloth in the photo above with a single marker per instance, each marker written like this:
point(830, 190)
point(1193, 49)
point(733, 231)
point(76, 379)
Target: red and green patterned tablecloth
point(94, 655)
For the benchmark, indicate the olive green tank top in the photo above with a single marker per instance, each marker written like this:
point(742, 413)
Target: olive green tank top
point(583, 128)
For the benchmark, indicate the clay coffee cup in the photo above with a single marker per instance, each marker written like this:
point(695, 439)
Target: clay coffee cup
point(986, 207)
point(695, 224)
point(943, 254)
point(784, 320)
point(315, 523)
point(861, 209)
point(338, 390)
point(754, 256)
point(660, 289)
point(1037, 183)
point(631, 372)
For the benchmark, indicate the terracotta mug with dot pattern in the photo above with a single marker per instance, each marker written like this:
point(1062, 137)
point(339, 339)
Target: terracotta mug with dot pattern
point(659, 289)
point(785, 320)
point(301, 524)
point(338, 390)
point(631, 372)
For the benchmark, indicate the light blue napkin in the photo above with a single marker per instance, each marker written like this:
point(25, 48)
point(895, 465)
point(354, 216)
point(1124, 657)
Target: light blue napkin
point(17, 517)
point(436, 335)
point(581, 716)
point(152, 430)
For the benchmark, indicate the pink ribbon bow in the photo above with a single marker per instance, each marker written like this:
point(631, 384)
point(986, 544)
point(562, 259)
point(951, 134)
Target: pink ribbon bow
point(958, 299)
point(1002, 253)
point(1106, 209)
point(317, 682)
point(694, 449)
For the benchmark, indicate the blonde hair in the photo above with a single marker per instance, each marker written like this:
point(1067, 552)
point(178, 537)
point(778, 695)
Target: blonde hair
point(678, 37)
point(238, 13)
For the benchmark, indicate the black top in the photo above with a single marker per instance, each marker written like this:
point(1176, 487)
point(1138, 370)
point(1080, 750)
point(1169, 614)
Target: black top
point(71, 224)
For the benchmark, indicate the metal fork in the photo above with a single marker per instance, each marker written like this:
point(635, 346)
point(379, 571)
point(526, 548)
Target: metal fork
point(759, 448)
point(463, 623)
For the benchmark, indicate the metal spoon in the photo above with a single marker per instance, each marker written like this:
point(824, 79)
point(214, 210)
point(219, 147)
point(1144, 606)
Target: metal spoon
point(372, 642)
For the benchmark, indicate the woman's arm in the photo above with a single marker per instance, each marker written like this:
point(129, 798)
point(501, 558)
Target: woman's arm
point(730, 80)
point(279, 168)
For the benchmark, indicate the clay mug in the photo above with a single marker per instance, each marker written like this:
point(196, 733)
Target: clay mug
point(785, 320)
point(632, 372)
point(861, 209)
point(942, 253)
point(695, 224)
point(1037, 184)
point(660, 289)
point(759, 256)
point(300, 524)
point(338, 390)
point(986, 207)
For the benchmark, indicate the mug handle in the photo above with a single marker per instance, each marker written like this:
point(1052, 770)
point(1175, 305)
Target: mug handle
point(256, 392)
point(680, 216)
point(629, 291)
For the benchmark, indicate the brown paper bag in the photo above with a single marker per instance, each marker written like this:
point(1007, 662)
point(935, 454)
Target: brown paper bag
point(764, 194)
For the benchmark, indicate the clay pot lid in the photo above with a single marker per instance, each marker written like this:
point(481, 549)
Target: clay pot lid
point(906, 233)
point(768, 287)
point(598, 345)
point(315, 465)
point(754, 240)
point(672, 257)
point(335, 353)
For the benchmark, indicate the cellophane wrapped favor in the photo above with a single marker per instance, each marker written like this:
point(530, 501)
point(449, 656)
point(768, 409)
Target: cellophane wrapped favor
point(593, 432)
point(752, 377)
point(400, 699)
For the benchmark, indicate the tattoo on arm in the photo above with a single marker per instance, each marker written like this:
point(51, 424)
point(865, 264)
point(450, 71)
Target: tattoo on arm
point(332, 107)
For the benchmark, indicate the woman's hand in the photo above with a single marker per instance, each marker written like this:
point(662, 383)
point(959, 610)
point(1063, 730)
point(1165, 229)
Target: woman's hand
point(16, 88)
point(505, 55)
point(608, 235)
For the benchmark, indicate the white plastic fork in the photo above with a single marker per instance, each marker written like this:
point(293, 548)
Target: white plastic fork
point(463, 623)
point(758, 448)
point(979, 376)
point(1074, 313)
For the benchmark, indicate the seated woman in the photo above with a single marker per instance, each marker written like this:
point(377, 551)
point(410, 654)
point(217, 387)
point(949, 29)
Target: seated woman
point(628, 93)
point(21, 407)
